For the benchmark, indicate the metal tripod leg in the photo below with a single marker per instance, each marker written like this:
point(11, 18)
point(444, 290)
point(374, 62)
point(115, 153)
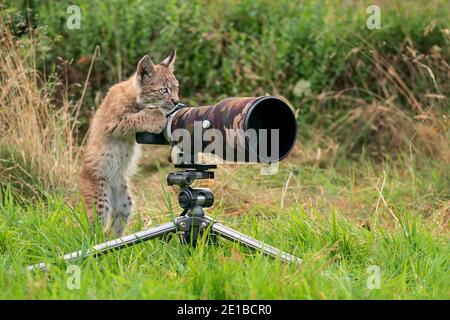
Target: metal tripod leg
point(171, 227)
point(249, 242)
point(118, 243)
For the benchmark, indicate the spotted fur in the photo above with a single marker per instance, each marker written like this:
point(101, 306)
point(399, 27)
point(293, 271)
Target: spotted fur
point(111, 154)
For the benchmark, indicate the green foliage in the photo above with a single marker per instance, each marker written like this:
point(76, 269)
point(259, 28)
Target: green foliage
point(369, 89)
point(247, 47)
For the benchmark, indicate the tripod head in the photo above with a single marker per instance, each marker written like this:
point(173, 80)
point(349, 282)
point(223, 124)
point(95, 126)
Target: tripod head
point(190, 173)
point(192, 200)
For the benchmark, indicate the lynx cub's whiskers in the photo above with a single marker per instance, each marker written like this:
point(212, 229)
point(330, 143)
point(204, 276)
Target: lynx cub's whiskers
point(111, 155)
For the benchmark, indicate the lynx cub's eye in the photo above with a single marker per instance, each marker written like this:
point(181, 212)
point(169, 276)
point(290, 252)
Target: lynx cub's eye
point(164, 90)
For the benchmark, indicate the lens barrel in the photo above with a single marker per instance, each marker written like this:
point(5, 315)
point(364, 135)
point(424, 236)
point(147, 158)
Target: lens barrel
point(252, 129)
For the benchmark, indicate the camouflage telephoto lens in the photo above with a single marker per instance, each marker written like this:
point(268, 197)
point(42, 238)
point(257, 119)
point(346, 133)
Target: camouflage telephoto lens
point(251, 129)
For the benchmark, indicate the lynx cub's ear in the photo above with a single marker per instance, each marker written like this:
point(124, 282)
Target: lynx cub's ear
point(145, 68)
point(170, 60)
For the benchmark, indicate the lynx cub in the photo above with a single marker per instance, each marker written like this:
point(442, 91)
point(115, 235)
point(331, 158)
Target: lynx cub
point(135, 105)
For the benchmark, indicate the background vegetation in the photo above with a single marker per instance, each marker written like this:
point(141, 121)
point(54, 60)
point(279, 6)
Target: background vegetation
point(367, 183)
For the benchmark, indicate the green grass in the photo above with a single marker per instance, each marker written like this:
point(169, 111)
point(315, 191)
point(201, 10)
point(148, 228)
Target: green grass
point(336, 249)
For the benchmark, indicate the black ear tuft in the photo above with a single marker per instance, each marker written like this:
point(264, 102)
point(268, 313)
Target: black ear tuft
point(170, 60)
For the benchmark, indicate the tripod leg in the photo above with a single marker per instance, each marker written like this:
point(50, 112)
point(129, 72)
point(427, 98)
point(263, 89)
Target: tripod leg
point(118, 243)
point(251, 243)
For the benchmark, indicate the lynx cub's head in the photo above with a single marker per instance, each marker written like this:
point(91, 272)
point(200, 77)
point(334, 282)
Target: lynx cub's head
point(156, 84)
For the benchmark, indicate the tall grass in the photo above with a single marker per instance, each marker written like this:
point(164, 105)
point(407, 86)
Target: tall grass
point(38, 145)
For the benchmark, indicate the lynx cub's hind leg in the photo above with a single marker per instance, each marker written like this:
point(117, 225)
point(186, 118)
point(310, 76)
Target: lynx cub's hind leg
point(103, 206)
point(97, 196)
point(122, 212)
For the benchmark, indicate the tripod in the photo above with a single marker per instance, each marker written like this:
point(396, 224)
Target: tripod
point(190, 225)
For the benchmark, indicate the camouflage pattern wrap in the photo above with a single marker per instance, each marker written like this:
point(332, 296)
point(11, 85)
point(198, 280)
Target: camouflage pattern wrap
point(227, 114)
point(234, 113)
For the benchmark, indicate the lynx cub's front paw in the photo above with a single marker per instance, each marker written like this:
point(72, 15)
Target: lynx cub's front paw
point(156, 120)
point(161, 122)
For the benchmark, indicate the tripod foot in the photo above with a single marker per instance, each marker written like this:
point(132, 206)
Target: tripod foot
point(251, 243)
point(119, 243)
